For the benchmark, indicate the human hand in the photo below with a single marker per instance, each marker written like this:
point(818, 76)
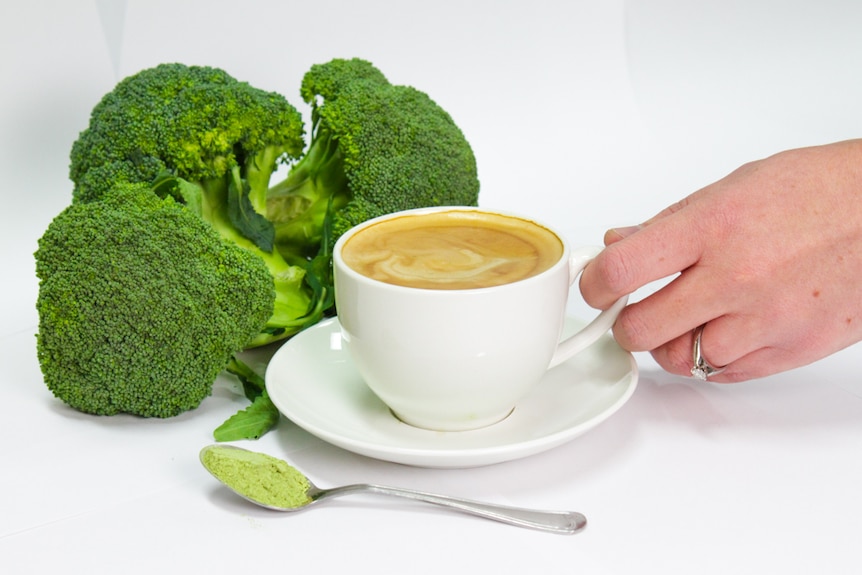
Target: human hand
point(769, 258)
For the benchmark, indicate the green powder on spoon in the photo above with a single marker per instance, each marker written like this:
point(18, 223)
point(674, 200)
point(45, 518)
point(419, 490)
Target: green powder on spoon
point(258, 476)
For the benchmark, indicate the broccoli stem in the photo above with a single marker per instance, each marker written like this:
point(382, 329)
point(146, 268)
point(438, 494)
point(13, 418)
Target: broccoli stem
point(298, 204)
point(258, 170)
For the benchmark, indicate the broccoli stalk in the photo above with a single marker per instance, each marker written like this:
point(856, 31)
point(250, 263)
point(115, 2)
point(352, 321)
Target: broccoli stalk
point(314, 187)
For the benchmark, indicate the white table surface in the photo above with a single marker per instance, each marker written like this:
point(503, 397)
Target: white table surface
point(585, 113)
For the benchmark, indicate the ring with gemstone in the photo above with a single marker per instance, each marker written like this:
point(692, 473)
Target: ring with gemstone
point(702, 369)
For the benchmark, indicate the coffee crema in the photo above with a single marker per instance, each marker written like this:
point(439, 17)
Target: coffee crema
point(451, 250)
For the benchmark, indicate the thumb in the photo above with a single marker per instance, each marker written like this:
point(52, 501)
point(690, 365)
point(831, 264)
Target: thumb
point(614, 235)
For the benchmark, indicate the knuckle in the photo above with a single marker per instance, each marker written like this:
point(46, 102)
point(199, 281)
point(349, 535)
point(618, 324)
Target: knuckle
point(631, 331)
point(678, 360)
point(673, 358)
point(614, 273)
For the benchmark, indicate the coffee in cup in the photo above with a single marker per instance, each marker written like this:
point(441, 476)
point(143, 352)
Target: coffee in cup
point(453, 314)
point(454, 249)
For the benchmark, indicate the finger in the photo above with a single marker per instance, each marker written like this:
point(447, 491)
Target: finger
point(724, 341)
point(729, 338)
point(676, 355)
point(654, 252)
point(759, 363)
point(674, 208)
point(616, 234)
point(696, 296)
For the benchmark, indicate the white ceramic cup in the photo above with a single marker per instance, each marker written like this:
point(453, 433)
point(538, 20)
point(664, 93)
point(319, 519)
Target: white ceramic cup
point(454, 360)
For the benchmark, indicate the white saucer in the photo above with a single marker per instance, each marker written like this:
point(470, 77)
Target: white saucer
point(313, 382)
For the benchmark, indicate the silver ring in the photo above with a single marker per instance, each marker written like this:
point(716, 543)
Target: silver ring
point(702, 369)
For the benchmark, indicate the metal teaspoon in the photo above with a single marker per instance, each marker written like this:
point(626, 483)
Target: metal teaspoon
point(562, 522)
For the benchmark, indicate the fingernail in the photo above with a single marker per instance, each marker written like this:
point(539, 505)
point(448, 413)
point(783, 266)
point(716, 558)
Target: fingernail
point(624, 231)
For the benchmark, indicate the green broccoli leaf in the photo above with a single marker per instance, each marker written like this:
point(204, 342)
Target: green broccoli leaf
point(252, 384)
point(250, 423)
point(318, 271)
point(189, 194)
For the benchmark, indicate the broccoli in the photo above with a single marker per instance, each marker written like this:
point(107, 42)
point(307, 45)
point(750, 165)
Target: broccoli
point(137, 317)
point(211, 142)
point(142, 304)
point(375, 148)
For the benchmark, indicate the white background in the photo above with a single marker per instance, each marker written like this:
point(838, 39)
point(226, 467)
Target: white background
point(586, 114)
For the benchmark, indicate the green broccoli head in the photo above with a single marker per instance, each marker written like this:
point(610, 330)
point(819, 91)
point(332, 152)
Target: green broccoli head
point(197, 122)
point(212, 143)
point(376, 148)
point(99, 181)
point(141, 304)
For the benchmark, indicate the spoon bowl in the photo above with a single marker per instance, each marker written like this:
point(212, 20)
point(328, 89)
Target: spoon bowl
point(277, 476)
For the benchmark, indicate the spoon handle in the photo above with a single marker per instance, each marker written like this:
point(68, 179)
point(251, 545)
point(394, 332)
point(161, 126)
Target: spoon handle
point(563, 522)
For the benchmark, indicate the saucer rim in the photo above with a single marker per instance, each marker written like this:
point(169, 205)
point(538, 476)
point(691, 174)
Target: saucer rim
point(445, 457)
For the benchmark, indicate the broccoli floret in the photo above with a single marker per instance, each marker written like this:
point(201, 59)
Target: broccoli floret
point(375, 148)
point(142, 304)
point(213, 143)
point(197, 122)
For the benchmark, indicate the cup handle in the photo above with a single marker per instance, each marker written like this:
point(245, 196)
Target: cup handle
point(595, 329)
